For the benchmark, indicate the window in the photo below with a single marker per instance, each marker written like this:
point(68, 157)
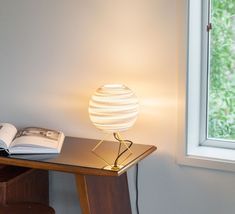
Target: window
point(221, 78)
point(210, 119)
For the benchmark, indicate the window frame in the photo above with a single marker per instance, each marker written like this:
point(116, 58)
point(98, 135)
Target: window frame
point(196, 149)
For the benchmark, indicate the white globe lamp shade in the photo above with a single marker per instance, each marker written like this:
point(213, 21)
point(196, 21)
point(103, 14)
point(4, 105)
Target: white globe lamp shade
point(113, 108)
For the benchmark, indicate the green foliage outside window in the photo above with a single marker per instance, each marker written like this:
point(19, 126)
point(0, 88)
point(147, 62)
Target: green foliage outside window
point(221, 115)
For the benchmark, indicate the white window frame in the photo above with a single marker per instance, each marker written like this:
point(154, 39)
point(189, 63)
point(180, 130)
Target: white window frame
point(194, 147)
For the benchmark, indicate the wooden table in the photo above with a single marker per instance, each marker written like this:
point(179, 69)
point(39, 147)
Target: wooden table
point(100, 191)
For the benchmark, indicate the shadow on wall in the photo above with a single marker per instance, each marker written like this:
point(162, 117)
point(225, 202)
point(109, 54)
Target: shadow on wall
point(166, 187)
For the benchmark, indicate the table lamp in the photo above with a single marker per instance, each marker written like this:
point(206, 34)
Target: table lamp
point(113, 109)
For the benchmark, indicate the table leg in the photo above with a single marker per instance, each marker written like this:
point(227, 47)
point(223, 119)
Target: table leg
point(103, 194)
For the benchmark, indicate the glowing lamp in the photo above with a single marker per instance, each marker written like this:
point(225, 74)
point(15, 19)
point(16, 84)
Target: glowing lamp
point(113, 109)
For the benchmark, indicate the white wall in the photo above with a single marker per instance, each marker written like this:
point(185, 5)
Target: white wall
point(55, 53)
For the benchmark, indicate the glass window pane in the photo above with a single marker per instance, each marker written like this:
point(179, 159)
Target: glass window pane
point(221, 90)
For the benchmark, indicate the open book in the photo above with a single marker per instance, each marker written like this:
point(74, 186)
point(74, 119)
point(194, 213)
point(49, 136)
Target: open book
point(30, 140)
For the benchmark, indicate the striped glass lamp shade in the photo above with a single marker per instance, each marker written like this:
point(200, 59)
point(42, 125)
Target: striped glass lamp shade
point(113, 108)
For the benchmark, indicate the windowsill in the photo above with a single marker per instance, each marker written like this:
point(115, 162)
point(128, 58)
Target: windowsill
point(219, 154)
point(209, 157)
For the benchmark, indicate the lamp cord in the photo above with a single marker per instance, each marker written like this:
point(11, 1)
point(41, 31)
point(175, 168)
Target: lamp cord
point(137, 188)
point(120, 154)
point(137, 169)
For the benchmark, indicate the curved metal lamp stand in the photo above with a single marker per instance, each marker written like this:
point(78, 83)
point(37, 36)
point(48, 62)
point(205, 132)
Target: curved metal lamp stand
point(122, 143)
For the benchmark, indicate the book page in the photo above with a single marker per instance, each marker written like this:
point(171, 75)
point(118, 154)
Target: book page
point(7, 134)
point(37, 139)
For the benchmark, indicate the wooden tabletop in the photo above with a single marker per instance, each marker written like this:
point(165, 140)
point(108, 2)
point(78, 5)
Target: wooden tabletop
point(76, 157)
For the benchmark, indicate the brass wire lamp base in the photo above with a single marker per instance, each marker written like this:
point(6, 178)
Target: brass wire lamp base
point(122, 143)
